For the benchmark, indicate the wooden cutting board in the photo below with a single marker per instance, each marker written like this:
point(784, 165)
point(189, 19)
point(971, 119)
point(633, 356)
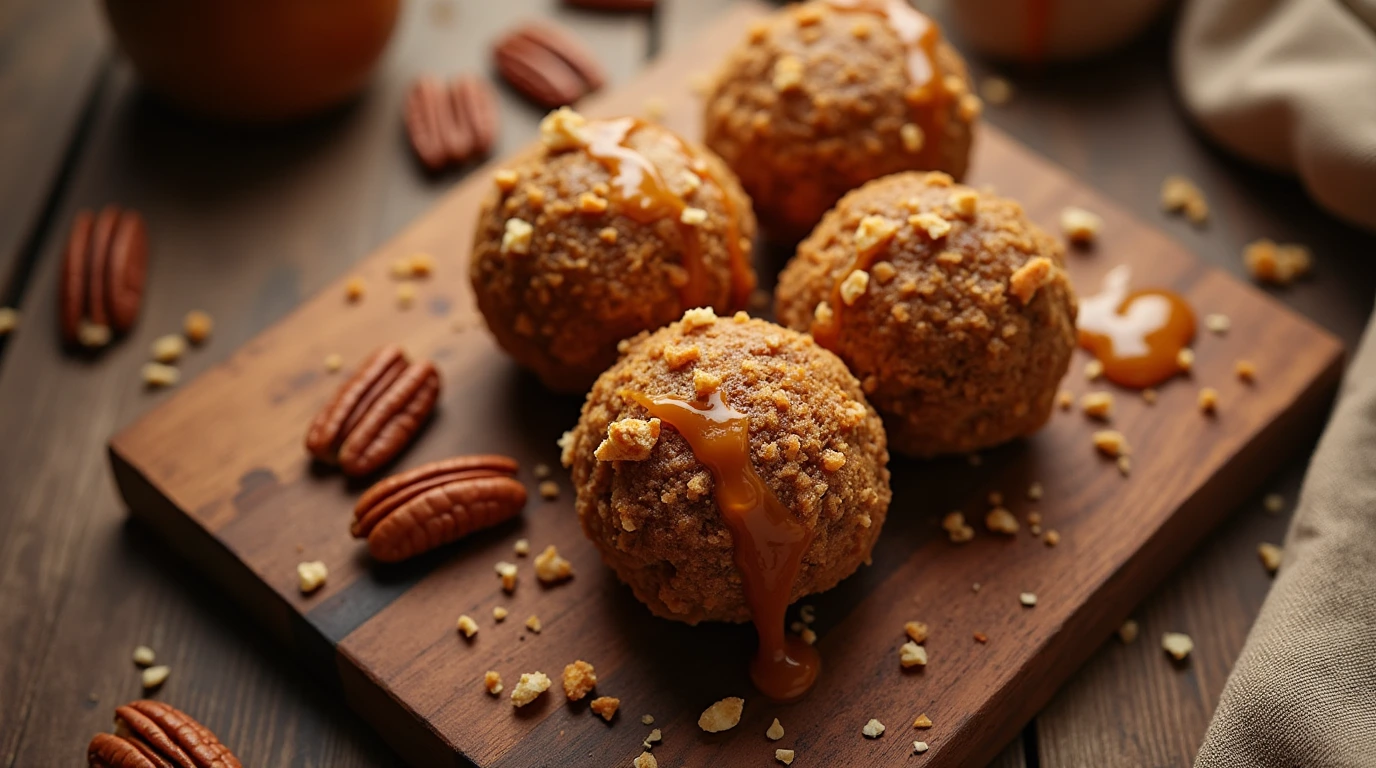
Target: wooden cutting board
point(220, 471)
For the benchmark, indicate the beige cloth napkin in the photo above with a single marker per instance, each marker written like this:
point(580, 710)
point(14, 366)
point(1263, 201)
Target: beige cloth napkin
point(1303, 692)
point(1289, 84)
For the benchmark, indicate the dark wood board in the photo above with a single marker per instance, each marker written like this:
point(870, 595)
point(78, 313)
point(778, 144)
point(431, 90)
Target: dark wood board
point(220, 471)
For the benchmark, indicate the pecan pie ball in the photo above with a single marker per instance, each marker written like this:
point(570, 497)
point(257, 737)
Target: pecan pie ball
point(613, 227)
point(952, 308)
point(652, 506)
point(827, 95)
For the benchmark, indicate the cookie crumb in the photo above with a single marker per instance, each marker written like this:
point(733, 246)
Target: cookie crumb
point(1277, 264)
point(159, 375)
point(467, 625)
point(922, 721)
point(169, 348)
point(144, 656)
point(1097, 405)
point(647, 720)
point(533, 624)
point(1111, 443)
point(1052, 538)
point(1177, 644)
point(605, 706)
point(1124, 465)
point(919, 747)
point(1034, 491)
point(1065, 399)
point(722, 716)
point(521, 547)
point(916, 631)
point(92, 335)
point(406, 295)
point(529, 688)
point(912, 655)
point(981, 638)
point(775, 731)
point(1000, 520)
point(1184, 359)
point(1149, 396)
point(334, 362)
point(579, 680)
point(9, 320)
point(492, 681)
point(1270, 556)
point(550, 568)
point(197, 326)
point(1246, 370)
point(154, 677)
point(873, 729)
point(507, 572)
point(655, 736)
point(1028, 599)
point(499, 613)
point(1128, 632)
point(311, 576)
point(784, 756)
point(646, 760)
point(1208, 400)
point(1217, 323)
point(549, 490)
point(1081, 227)
point(1093, 370)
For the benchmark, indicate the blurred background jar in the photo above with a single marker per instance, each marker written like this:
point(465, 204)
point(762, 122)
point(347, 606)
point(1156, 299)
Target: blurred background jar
point(253, 60)
point(1050, 30)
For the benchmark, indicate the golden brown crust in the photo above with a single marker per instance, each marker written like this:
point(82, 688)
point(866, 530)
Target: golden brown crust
point(656, 521)
point(798, 149)
point(589, 276)
point(945, 350)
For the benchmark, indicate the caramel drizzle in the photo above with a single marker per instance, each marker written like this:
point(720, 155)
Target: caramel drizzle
point(1137, 335)
point(769, 543)
point(645, 197)
point(828, 334)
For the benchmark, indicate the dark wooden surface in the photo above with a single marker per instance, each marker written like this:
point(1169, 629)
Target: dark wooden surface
point(248, 224)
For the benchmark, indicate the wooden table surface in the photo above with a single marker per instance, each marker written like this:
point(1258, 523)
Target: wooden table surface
point(247, 222)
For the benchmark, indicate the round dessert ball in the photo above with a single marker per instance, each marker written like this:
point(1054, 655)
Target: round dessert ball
point(953, 310)
point(611, 228)
point(649, 504)
point(827, 95)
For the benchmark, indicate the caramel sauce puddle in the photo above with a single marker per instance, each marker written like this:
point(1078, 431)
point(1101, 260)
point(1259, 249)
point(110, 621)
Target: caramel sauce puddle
point(769, 543)
point(1137, 335)
point(644, 196)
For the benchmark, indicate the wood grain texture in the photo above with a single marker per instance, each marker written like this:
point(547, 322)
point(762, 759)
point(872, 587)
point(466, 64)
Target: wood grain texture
point(244, 480)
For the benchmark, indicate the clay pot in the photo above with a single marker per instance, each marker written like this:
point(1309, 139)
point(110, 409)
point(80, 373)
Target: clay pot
point(1049, 30)
point(253, 60)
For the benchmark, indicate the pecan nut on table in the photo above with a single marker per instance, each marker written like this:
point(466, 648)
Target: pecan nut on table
point(440, 502)
point(151, 734)
point(376, 413)
point(549, 66)
point(103, 272)
point(449, 124)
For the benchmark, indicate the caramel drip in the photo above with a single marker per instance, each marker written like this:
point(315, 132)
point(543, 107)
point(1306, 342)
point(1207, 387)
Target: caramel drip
point(769, 542)
point(644, 196)
point(1137, 335)
point(827, 334)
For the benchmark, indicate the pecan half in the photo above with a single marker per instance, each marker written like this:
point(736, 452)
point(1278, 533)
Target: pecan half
point(103, 272)
point(375, 413)
point(150, 734)
point(437, 135)
point(476, 103)
point(432, 505)
point(548, 65)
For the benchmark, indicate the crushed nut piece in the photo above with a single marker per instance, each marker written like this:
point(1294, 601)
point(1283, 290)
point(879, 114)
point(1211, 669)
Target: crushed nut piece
point(655, 736)
point(1000, 520)
point(506, 179)
point(919, 747)
point(1093, 370)
point(1208, 400)
point(1124, 465)
point(467, 625)
point(529, 688)
point(507, 572)
point(912, 655)
point(854, 286)
point(517, 236)
point(143, 656)
point(492, 681)
point(1179, 194)
point(955, 526)
point(775, 731)
point(1080, 226)
point(333, 362)
point(981, 638)
point(1028, 599)
point(1052, 538)
point(1030, 277)
point(646, 760)
point(550, 568)
point(563, 129)
point(970, 107)
point(605, 706)
point(1065, 399)
point(197, 326)
point(648, 720)
point(1278, 264)
point(154, 677)
point(591, 204)
point(912, 137)
point(159, 375)
point(421, 264)
point(873, 233)
point(922, 721)
point(873, 729)
point(169, 348)
point(932, 224)
point(1273, 503)
point(784, 756)
point(1217, 323)
point(964, 202)
point(1270, 556)
point(1184, 359)
point(1097, 405)
point(521, 547)
point(549, 490)
point(1246, 370)
point(311, 576)
point(1149, 396)
point(1034, 518)
point(1178, 645)
point(722, 716)
point(916, 630)
point(698, 317)
point(693, 216)
point(1111, 443)
point(533, 624)
point(9, 320)
point(499, 612)
point(1128, 632)
point(808, 636)
point(1034, 492)
point(579, 680)
point(788, 74)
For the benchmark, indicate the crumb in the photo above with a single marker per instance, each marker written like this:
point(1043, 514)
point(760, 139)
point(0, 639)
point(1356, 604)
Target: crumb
point(1034, 518)
point(579, 680)
point(784, 756)
point(932, 224)
point(1128, 632)
point(1178, 645)
point(1184, 359)
point(197, 326)
point(916, 630)
point(529, 688)
point(311, 576)
point(1217, 323)
point(854, 286)
point(507, 572)
point(955, 526)
point(1034, 491)
point(159, 375)
point(693, 216)
point(401, 269)
point(1065, 399)
point(1149, 396)
point(965, 202)
point(550, 568)
point(775, 731)
point(722, 716)
point(605, 706)
point(1273, 503)
point(521, 547)
point(9, 320)
point(422, 265)
point(1097, 405)
point(873, 233)
point(980, 637)
point(499, 613)
point(1246, 370)
point(1093, 370)
point(1270, 556)
point(808, 636)
point(995, 90)
point(143, 656)
point(517, 236)
point(655, 736)
point(406, 295)
point(912, 655)
point(646, 760)
point(647, 720)
point(1179, 194)
point(1028, 599)
point(1000, 520)
point(1052, 538)
point(492, 681)
point(1030, 277)
point(912, 137)
point(506, 179)
point(467, 625)
point(1208, 400)
point(808, 613)
point(1278, 264)
point(549, 490)
point(169, 348)
point(873, 729)
point(533, 624)
point(922, 721)
point(563, 129)
point(919, 747)
point(1081, 227)
point(154, 677)
point(1111, 443)
point(333, 362)
point(1124, 465)
point(788, 74)
point(92, 336)
point(975, 587)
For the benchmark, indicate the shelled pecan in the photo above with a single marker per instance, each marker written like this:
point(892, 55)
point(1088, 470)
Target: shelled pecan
point(450, 123)
point(103, 272)
point(375, 413)
point(547, 64)
point(432, 505)
point(150, 734)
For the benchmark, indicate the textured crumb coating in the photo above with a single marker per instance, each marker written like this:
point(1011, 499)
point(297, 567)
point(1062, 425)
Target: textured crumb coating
point(590, 278)
point(799, 148)
point(959, 340)
point(816, 442)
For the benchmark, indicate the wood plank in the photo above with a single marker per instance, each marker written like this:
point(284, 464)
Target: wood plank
point(243, 224)
point(399, 657)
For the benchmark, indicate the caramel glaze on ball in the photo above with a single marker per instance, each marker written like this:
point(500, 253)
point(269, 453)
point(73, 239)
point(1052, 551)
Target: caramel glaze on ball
point(611, 228)
point(827, 95)
point(961, 322)
point(816, 443)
